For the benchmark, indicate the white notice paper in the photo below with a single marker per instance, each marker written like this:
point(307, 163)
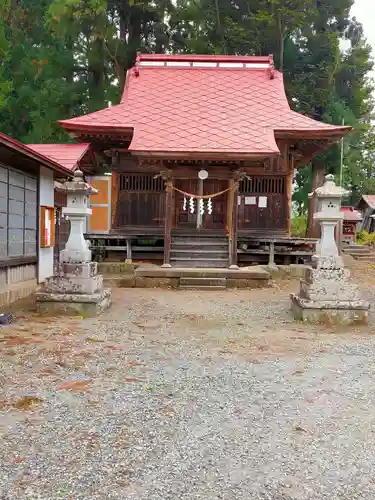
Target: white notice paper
point(262, 202)
point(239, 200)
point(250, 200)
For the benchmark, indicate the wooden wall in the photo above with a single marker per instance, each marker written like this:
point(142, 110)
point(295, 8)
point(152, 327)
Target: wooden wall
point(136, 197)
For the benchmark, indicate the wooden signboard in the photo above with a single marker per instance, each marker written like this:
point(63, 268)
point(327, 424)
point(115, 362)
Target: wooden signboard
point(47, 227)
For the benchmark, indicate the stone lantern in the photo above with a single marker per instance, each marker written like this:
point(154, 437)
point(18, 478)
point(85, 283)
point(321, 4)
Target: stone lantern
point(327, 295)
point(329, 196)
point(77, 288)
point(77, 194)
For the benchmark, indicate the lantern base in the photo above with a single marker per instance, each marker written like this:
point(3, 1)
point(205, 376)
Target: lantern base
point(76, 290)
point(73, 304)
point(330, 312)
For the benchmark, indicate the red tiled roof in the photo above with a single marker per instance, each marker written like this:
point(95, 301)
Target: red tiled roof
point(369, 199)
point(203, 104)
point(67, 155)
point(351, 214)
point(26, 150)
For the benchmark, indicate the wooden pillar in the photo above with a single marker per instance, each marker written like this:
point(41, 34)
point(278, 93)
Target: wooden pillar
point(234, 226)
point(289, 195)
point(115, 189)
point(129, 250)
point(168, 223)
point(271, 259)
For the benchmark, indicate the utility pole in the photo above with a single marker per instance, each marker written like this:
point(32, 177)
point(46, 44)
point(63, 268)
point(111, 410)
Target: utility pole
point(342, 156)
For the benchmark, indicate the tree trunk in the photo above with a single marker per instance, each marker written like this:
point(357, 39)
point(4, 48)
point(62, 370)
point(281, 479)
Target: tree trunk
point(219, 29)
point(96, 75)
point(281, 42)
point(318, 172)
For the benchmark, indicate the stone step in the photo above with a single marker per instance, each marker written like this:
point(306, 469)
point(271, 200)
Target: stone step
point(354, 246)
point(207, 282)
point(199, 241)
point(197, 262)
point(196, 253)
point(365, 258)
point(357, 250)
point(202, 287)
point(200, 246)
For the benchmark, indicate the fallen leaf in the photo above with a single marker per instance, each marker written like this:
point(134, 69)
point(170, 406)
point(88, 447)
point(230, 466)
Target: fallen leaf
point(17, 460)
point(10, 352)
point(12, 341)
point(133, 363)
point(48, 371)
point(150, 324)
point(91, 339)
point(132, 379)
point(300, 429)
point(167, 410)
point(75, 385)
point(27, 402)
point(298, 372)
point(323, 349)
point(308, 401)
point(115, 348)
point(148, 388)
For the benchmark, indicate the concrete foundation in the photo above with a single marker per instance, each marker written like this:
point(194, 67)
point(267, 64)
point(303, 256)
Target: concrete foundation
point(16, 291)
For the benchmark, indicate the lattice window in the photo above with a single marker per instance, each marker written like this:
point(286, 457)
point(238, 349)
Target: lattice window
point(263, 185)
point(141, 183)
point(18, 213)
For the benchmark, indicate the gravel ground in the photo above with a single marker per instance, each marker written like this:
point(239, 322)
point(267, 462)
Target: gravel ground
point(188, 395)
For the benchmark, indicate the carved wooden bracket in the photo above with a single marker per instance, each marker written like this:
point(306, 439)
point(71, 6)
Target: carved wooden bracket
point(239, 175)
point(165, 174)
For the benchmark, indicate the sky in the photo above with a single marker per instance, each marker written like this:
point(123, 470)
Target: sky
point(364, 11)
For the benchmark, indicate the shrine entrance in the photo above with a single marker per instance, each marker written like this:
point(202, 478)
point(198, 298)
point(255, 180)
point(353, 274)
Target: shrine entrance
point(207, 214)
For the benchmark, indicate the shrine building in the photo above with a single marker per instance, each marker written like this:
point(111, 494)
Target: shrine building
point(199, 157)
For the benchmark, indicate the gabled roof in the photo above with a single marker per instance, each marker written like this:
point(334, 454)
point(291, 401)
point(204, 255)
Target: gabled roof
point(369, 199)
point(351, 214)
point(23, 149)
point(193, 104)
point(67, 155)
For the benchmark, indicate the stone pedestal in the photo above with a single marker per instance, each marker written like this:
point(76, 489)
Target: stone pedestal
point(77, 289)
point(327, 295)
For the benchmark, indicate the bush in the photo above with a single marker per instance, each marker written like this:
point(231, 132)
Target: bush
point(365, 238)
point(299, 226)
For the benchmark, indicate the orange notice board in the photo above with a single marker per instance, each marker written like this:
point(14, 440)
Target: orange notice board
point(47, 227)
point(99, 220)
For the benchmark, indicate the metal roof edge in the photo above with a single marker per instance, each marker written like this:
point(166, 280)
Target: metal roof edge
point(24, 149)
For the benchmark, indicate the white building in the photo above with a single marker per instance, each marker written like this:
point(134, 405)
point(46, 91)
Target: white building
point(27, 222)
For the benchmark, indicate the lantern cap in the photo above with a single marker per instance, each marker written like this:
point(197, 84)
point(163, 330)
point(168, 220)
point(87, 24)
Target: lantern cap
point(329, 189)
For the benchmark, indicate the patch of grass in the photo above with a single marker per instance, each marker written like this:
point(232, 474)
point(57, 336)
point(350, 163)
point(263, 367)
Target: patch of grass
point(299, 226)
point(365, 238)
